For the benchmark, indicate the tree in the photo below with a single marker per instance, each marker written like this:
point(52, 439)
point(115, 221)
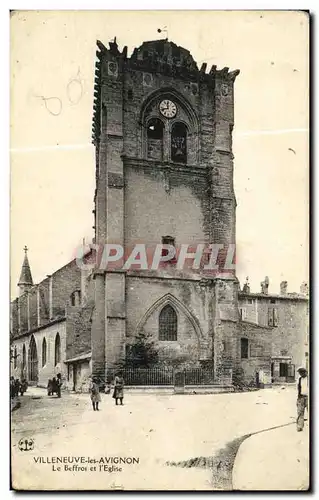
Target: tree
point(142, 354)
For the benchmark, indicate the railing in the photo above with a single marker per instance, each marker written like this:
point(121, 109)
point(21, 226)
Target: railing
point(169, 376)
point(144, 376)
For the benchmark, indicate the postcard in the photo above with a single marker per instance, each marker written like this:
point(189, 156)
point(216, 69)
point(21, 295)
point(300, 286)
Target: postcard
point(159, 308)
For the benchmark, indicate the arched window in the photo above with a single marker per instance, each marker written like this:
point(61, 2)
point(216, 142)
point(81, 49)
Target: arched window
point(179, 143)
point(15, 355)
point(155, 130)
point(44, 352)
point(33, 360)
point(24, 358)
point(57, 349)
point(24, 363)
point(168, 323)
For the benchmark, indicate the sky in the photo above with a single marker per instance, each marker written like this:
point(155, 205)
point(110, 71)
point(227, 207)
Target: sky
point(52, 158)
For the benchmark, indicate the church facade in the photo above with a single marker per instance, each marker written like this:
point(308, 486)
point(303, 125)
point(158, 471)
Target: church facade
point(162, 130)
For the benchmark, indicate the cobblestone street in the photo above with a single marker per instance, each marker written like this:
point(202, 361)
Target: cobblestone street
point(158, 429)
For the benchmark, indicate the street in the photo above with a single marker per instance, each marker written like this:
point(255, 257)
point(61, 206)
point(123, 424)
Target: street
point(156, 430)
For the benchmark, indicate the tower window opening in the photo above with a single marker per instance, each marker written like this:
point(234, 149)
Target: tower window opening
point(155, 132)
point(179, 143)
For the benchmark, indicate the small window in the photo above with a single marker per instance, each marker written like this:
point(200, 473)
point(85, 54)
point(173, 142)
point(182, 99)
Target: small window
point(44, 352)
point(243, 313)
point(130, 94)
point(249, 301)
point(168, 324)
point(76, 298)
point(244, 348)
point(168, 240)
point(273, 301)
point(179, 143)
point(272, 316)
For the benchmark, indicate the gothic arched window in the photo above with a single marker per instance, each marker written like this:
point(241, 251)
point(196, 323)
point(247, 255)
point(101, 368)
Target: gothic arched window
point(57, 350)
point(44, 352)
point(168, 324)
point(24, 358)
point(155, 132)
point(179, 143)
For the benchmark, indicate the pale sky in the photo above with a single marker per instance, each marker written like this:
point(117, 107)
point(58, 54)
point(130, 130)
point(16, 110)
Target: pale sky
point(52, 158)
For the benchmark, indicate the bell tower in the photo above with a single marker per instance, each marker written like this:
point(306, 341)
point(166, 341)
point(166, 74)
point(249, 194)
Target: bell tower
point(25, 281)
point(162, 129)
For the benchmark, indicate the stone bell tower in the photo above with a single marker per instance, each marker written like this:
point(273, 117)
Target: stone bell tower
point(162, 130)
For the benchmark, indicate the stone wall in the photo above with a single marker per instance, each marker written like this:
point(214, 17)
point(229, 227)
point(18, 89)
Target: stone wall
point(78, 324)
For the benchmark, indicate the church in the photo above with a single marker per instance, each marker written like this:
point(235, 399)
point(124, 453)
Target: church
point(162, 131)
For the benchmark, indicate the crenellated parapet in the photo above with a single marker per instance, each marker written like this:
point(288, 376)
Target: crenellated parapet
point(153, 57)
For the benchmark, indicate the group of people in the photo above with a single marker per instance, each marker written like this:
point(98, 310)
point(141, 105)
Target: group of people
point(118, 391)
point(17, 387)
point(54, 385)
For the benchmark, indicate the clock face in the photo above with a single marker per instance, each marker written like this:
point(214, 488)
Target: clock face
point(168, 108)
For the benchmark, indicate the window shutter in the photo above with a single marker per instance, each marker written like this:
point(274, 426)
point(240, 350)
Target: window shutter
point(275, 318)
point(270, 317)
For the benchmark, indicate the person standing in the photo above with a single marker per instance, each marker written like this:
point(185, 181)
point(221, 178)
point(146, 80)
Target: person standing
point(118, 393)
point(95, 394)
point(58, 384)
point(302, 397)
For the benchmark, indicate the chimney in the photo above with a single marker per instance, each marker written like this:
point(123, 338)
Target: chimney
point(264, 286)
point(283, 288)
point(246, 287)
point(304, 288)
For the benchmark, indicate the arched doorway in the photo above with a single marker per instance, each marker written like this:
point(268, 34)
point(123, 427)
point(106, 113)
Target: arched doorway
point(33, 361)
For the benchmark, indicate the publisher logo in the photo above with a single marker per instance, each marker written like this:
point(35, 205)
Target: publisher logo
point(26, 444)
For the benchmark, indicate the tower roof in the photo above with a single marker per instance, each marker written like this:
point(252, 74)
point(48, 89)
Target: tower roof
point(25, 276)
